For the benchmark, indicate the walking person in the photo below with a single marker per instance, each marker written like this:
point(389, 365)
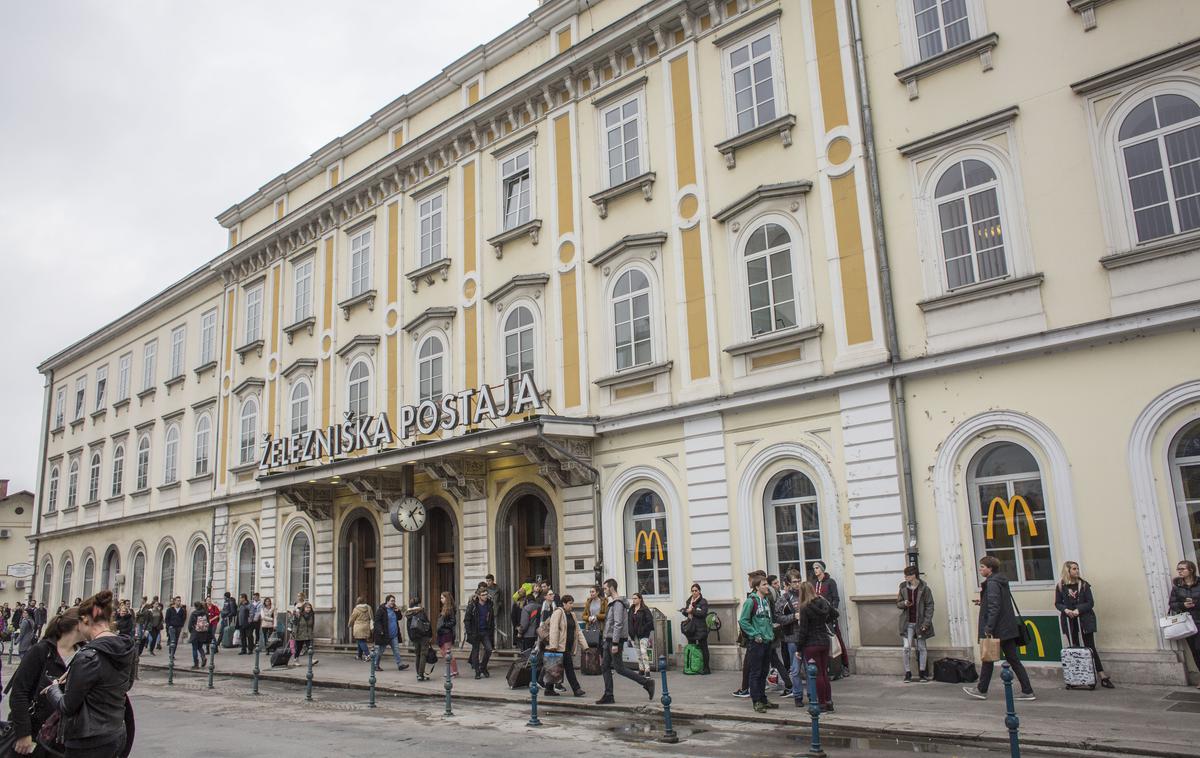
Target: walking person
point(616, 631)
point(757, 624)
point(641, 627)
point(566, 637)
point(915, 601)
point(142, 625)
point(447, 630)
point(28, 633)
point(1185, 598)
point(827, 587)
point(479, 626)
point(40, 617)
point(125, 620)
point(387, 632)
point(199, 627)
point(420, 631)
point(304, 632)
point(154, 626)
point(360, 628)
point(176, 618)
point(530, 618)
point(47, 660)
point(92, 694)
point(998, 618)
point(1077, 615)
point(814, 634)
point(695, 623)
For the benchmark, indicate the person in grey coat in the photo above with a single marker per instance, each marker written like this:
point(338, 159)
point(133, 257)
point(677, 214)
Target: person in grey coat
point(616, 631)
point(28, 633)
point(915, 601)
point(998, 618)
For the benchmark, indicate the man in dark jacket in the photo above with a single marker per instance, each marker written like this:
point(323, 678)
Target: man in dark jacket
point(39, 618)
point(787, 610)
point(479, 626)
point(616, 631)
point(915, 601)
point(243, 625)
point(387, 632)
point(176, 617)
point(998, 618)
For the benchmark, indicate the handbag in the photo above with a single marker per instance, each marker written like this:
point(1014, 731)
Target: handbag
point(553, 667)
point(1022, 630)
point(431, 655)
point(1177, 626)
point(989, 649)
point(835, 645)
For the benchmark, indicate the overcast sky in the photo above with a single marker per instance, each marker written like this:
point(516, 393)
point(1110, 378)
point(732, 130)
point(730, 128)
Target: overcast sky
point(127, 125)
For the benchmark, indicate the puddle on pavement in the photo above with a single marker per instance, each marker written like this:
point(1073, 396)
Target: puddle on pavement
point(642, 732)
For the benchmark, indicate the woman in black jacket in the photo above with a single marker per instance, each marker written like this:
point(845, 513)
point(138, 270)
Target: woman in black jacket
point(1077, 615)
point(420, 631)
point(92, 699)
point(44, 662)
point(1185, 598)
point(813, 638)
point(641, 629)
point(201, 638)
point(447, 628)
point(696, 623)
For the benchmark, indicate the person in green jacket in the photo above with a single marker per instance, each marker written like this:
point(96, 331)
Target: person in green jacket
point(756, 623)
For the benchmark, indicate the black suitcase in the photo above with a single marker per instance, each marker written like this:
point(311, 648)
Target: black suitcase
point(281, 657)
point(954, 671)
point(518, 672)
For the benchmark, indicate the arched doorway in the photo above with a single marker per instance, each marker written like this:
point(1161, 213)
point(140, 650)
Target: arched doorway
point(358, 561)
point(433, 556)
point(526, 539)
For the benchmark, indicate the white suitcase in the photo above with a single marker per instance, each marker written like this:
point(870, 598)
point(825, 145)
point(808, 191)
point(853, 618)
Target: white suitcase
point(1078, 668)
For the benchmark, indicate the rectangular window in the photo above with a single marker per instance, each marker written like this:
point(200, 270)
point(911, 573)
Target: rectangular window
point(80, 393)
point(208, 337)
point(429, 225)
point(360, 263)
point(304, 290)
point(254, 305)
point(149, 364)
point(940, 25)
point(753, 79)
point(622, 141)
point(516, 186)
point(60, 407)
point(178, 341)
point(101, 386)
point(124, 369)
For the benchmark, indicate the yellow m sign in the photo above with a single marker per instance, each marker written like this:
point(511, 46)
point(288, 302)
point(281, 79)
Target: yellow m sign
point(1009, 509)
point(1037, 639)
point(652, 538)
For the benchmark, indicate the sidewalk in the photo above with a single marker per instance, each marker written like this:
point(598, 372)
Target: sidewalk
point(1132, 720)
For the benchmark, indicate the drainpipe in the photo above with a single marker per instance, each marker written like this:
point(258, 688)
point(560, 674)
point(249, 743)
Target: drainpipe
point(41, 490)
point(598, 567)
point(899, 408)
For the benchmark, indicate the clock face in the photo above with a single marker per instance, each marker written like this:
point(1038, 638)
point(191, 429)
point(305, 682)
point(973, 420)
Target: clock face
point(410, 514)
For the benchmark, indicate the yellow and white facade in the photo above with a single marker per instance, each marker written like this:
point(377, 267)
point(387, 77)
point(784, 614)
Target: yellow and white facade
point(676, 216)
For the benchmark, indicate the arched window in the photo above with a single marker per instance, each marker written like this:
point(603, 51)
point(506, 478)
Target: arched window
point(430, 368)
point(358, 388)
point(1009, 512)
point(166, 577)
point(72, 484)
point(300, 565)
point(646, 549)
point(246, 566)
point(118, 471)
point(139, 576)
point(109, 570)
point(248, 436)
point(89, 577)
point(969, 219)
point(1160, 150)
point(631, 320)
point(518, 343)
point(299, 406)
point(792, 516)
point(171, 456)
point(770, 287)
point(203, 435)
point(52, 497)
point(94, 478)
point(1185, 469)
point(142, 479)
point(47, 581)
point(67, 570)
point(199, 572)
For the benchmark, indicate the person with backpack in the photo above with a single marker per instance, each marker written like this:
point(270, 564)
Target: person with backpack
point(787, 614)
point(530, 620)
point(1077, 615)
point(479, 627)
point(387, 632)
point(827, 587)
point(155, 625)
point(565, 637)
point(447, 630)
point(616, 631)
point(915, 601)
point(46, 661)
point(756, 621)
point(695, 628)
point(641, 629)
point(778, 652)
point(420, 631)
point(998, 618)
point(200, 633)
point(742, 641)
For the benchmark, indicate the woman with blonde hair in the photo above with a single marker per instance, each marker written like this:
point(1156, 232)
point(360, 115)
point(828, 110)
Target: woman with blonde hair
point(447, 627)
point(360, 628)
point(1077, 615)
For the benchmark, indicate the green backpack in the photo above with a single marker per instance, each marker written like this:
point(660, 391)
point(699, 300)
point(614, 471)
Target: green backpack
point(693, 660)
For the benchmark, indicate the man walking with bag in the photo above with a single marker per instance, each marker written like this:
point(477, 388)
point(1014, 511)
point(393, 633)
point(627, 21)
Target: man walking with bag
point(616, 630)
point(1000, 631)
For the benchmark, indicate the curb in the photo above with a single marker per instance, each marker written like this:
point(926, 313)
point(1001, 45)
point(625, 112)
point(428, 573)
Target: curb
point(850, 729)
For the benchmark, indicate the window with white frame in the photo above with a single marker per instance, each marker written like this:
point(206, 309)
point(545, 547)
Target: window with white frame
point(751, 66)
point(73, 484)
point(139, 574)
point(101, 386)
point(178, 343)
point(247, 567)
point(358, 389)
point(254, 312)
point(171, 455)
point(89, 576)
point(300, 565)
point(166, 574)
point(203, 443)
point(430, 359)
point(622, 126)
point(60, 407)
point(94, 478)
point(518, 343)
point(647, 551)
point(631, 320)
point(1159, 142)
point(429, 228)
point(142, 473)
point(1185, 474)
point(300, 404)
point(52, 495)
point(68, 570)
point(80, 395)
point(149, 364)
point(47, 582)
point(771, 287)
point(969, 213)
point(516, 186)
point(302, 295)
point(940, 25)
point(109, 570)
point(118, 472)
point(360, 263)
point(124, 370)
point(1009, 512)
point(248, 431)
point(208, 337)
point(199, 571)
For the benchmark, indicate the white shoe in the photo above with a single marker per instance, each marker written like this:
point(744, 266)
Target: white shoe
point(975, 693)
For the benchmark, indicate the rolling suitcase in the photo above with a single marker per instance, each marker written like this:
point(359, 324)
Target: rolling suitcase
point(589, 662)
point(280, 657)
point(1078, 667)
point(518, 671)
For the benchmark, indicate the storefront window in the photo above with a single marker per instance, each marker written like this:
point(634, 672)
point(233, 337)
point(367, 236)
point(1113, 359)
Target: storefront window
point(1009, 512)
point(793, 524)
point(646, 549)
point(300, 565)
point(199, 572)
point(1185, 468)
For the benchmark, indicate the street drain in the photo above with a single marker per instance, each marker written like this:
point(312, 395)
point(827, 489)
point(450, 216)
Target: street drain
point(1185, 707)
point(647, 732)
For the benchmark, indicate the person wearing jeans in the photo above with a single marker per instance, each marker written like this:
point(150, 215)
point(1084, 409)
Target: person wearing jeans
point(176, 617)
point(479, 626)
point(915, 601)
point(998, 618)
point(787, 613)
point(616, 631)
point(387, 632)
point(757, 624)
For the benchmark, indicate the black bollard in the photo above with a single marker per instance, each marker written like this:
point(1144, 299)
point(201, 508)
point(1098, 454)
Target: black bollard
point(170, 663)
point(449, 686)
point(257, 670)
point(213, 648)
point(374, 660)
point(533, 691)
point(814, 710)
point(1010, 720)
point(669, 735)
point(309, 678)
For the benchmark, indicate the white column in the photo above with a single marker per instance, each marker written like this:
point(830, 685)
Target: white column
point(393, 562)
point(578, 552)
point(708, 506)
point(267, 550)
point(220, 552)
point(475, 543)
point(323, 591)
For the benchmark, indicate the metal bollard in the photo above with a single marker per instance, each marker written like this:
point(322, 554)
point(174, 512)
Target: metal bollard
point(371, 680)
point(814, 710)
point(257, 670)
point(308, 677)
point(669, 735)
point(215, 646)
point(170, 663)
point(1010, 720)
point(533, 691)
point(449, 686)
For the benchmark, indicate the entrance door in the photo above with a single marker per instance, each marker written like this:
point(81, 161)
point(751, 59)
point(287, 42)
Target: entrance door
point(442, 567)
point(359, 569)
point(532, 532)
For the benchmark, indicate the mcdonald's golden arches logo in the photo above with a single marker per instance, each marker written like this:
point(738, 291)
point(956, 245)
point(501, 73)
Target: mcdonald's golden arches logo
point(1009, 509)
point(652, 538)
point(1036, 636)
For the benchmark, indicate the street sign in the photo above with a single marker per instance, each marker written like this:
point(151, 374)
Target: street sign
point(20, 570)
point(1045, 639)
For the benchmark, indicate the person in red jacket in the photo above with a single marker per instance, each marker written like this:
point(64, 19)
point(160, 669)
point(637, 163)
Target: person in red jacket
point(214, 616)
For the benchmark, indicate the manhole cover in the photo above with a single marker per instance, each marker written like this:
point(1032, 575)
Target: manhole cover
point(1185, 707)
point(1191, 697)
